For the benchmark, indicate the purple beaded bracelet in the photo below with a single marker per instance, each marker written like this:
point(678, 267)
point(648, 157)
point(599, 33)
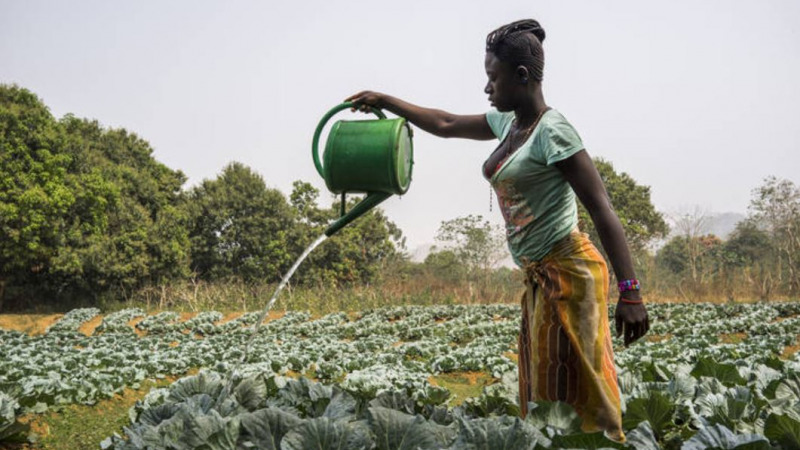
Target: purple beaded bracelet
point(628, 285)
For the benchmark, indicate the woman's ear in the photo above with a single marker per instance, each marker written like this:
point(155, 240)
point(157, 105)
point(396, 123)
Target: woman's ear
point(522, 74)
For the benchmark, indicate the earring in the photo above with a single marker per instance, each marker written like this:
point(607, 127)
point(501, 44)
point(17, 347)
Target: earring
point(524, 80)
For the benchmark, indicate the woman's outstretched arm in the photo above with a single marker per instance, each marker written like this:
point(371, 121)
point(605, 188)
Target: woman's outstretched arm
point(579, 170)
point(434, 121)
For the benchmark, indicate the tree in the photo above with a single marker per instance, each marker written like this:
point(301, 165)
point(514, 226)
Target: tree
point(143, 237)
point(304, 200)
point(674, 256)
point(478, 244)
point(239, 227)
point(692, 226)
point(445, 265)
point(776, 205)
point(748, 243)
point(83, 209)
point(356, 253)
point(639, 218)
point(34, 191)
point(747, 252)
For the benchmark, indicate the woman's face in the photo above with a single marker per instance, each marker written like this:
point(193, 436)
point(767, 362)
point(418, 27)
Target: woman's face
point(502, 86)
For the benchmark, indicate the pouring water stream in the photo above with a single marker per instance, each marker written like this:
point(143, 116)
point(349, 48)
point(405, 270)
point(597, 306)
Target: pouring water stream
point(257, 325)
point(372, 157)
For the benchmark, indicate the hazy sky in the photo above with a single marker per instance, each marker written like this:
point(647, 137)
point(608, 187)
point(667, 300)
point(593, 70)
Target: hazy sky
point(697, 99)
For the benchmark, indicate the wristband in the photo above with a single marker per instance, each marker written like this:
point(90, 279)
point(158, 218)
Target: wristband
point(628, 285)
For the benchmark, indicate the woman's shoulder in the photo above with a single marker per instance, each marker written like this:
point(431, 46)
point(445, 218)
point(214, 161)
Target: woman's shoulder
point(554, 117)
point(554, 122)
point(557, 139)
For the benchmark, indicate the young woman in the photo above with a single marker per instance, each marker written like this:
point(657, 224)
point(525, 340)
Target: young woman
point(538, 168)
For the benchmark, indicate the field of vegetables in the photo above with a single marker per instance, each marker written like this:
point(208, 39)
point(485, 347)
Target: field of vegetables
point(708, 376)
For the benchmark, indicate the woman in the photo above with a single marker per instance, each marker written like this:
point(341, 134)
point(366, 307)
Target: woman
point(538, 168)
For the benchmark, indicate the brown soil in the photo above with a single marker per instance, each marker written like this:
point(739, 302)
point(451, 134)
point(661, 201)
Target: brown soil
point(512, 356)
point(173, 378)
point(732, 338)
point(274, 315)
point(469, 378)
point(781, 319)
point(228, 317)
point(473, 377)
point(186, 316)
point(32, 324)
point(38, 427)
point(658, 337)
point(132, 323)
point(791, 349)
point(87, 328)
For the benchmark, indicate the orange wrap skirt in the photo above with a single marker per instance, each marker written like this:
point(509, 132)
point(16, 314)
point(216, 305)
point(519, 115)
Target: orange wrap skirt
point(565, 351)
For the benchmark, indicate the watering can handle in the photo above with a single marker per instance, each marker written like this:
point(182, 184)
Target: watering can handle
point(325, 118)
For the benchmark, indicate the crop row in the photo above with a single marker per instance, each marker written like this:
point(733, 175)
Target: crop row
point(703, 379)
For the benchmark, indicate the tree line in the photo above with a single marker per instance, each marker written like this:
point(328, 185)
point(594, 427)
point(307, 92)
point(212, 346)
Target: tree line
point(87, 212)
point(759, 260)
point(677, 259)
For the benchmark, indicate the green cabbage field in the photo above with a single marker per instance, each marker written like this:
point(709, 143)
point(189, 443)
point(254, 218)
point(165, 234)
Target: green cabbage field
point(708, 376)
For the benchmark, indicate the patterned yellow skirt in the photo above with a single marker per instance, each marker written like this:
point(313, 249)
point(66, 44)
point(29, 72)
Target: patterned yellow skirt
point(565, 350)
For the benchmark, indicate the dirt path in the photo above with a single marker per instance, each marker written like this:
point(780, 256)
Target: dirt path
point(87, 328)
point(32, 324)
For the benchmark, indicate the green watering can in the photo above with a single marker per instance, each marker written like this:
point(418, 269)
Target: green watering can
point(364, 156)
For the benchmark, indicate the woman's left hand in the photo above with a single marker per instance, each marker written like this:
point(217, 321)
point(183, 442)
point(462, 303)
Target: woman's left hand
point(631, 320)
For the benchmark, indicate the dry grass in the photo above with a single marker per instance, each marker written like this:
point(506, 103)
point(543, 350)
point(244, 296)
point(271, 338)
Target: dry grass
point(84, 426)
point(716, 298)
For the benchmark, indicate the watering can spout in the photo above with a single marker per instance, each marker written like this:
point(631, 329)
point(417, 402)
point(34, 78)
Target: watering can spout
point(370, 201)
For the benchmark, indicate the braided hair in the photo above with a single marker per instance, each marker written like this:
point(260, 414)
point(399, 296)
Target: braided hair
point(520, 44)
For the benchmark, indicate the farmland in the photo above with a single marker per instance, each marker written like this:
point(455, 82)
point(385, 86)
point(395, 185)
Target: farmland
point(724, 376)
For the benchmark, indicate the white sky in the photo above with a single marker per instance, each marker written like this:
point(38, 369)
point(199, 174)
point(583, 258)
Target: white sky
point(697, 99)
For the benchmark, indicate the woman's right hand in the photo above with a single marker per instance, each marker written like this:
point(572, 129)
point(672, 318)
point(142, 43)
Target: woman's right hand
point(434, 121)
point(365, 100)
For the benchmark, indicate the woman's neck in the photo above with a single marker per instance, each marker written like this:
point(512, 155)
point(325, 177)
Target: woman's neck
point(530, 109)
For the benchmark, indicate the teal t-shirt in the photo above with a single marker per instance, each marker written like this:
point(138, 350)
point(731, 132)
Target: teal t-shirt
point(537, 202)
